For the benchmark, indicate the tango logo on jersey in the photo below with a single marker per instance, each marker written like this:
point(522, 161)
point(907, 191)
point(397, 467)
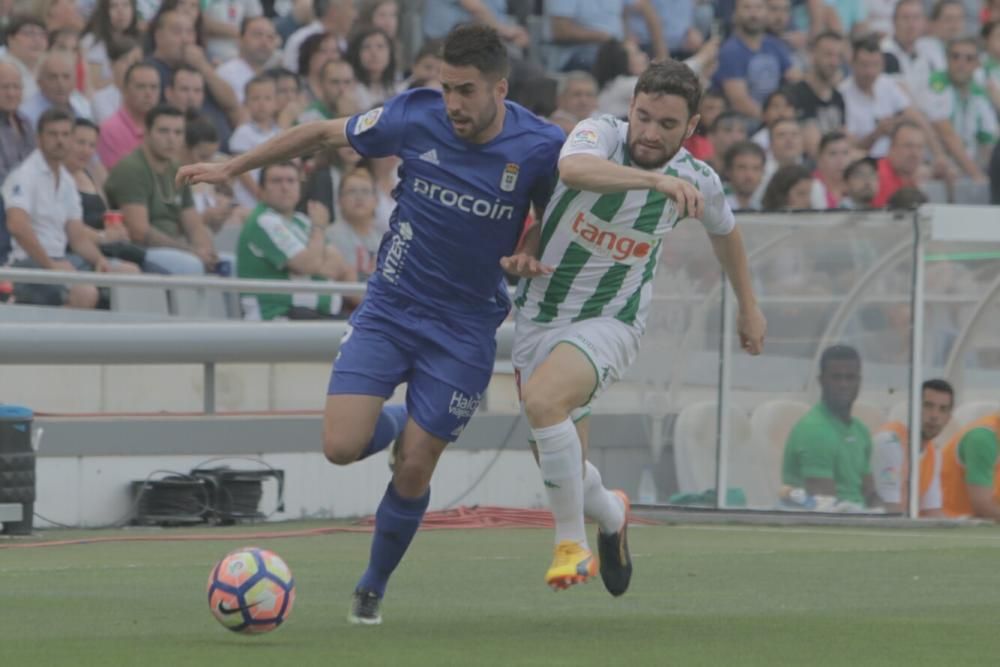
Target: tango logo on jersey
point(395, 258)
point(465, 203)
point(509, 180)
point(618, 242)
point(463, 406)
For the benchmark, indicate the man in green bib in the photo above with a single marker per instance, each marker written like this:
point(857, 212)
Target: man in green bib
point(828, 452)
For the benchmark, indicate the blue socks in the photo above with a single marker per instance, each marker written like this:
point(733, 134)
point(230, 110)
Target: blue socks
point(388, 427)
point(396, 522)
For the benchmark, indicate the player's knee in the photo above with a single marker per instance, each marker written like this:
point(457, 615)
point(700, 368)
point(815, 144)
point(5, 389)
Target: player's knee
point(412, 476)
point(340, 450)
point(542, 405)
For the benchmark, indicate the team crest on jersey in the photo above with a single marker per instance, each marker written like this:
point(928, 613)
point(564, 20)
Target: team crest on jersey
point(584, 137)
point(367, 121)
point(509, 180)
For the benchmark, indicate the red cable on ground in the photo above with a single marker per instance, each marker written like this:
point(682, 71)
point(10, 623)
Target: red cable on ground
point(454, 519)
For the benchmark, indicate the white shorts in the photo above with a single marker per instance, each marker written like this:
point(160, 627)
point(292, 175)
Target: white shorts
point(609, 344)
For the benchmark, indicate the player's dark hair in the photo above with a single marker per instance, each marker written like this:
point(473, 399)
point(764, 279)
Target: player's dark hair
point(262, 176)
point(162, 110)
point(838, 353)
point(937, 384)
point(831, 137)
point(671, 77)
point(53, 115)
point(741, 148)
point(199, 130)
point(479, 46)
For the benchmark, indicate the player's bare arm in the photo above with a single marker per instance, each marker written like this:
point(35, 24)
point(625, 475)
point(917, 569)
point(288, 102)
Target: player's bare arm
point(750, 323)
point(524, 263)
point(302, 140)
point(594, 174)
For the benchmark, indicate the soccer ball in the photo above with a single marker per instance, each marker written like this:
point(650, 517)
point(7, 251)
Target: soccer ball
point(251, 590)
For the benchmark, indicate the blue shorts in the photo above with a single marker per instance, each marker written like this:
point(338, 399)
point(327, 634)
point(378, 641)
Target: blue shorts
point(446, 362)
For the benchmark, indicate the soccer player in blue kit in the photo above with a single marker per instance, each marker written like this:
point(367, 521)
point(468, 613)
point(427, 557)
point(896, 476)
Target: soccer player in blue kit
point(472, 166)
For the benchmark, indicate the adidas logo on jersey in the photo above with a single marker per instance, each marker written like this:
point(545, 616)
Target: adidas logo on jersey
point(431, 156)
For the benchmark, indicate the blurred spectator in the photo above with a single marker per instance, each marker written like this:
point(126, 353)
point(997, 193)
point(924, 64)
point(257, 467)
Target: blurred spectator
point(185, 90)
point(906, 199)
point(112, 239)
point(777, 106)
point(214, 203)
point(990, 73)
point(960, 110)
point(744, 172)
point(878, 18)
point(729, 128)
point(384, 15)
point(676, 18)
point(752, 63)
point(828, 179)
point(577, 100)
point(323, 183)
point(969, 482)
point(298, 16)
point(354, 234)
point(576, 28)
point(59, 15)
point(56, 89)
point(372, 55)
point(26, 41)
point(262, 107)
point(712, 104)
point(258, 46)
point(333, 16)
point(317, 50)
point(337, 90)
point(174, 46)
point(122, 132)
point(223, 20)
point(901, 166)
point(908, 53)
point(819, 104)
point(111, 20)
point(874, 102)
point(440, 16)
point(789, 189)
point(828, 452)
point(159, 214)
point(861, 183)
point(891, 449)
point(780, 25)
point(786, 147)
point(290, 98)
point(44, 218)
point(123, 52)
point(277, 243)
point(995, 175)
point(947, 24)
point(17, 136)
point(617, 69)
point(426, 65)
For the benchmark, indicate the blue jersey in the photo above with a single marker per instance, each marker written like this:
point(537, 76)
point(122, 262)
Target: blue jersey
point(460, 206)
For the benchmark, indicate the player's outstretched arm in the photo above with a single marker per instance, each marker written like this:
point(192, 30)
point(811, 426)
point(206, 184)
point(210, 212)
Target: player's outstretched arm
point(593, 174)
point(750, 322)
point(524, 263)
point(301, 140)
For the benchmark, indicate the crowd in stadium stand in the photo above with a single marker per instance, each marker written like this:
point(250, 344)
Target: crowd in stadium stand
point(809, 104)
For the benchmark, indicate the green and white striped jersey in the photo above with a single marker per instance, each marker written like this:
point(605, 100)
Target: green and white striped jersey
point(605, 247)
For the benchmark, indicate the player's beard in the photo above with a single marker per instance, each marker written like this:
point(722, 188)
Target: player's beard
point(478, 125)
point(666, 155)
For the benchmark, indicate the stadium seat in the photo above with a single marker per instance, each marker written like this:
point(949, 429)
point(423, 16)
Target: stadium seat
point(770, 424)
point(694, 440)
point(966, 413)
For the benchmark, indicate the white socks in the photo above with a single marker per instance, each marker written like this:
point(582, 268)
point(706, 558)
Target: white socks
point(601, 505)
point(560, 457)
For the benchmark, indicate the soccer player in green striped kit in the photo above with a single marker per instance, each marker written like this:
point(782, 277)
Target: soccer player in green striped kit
point(583, 299)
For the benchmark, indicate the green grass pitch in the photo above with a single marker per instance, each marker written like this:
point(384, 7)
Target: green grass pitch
point(714, 596)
